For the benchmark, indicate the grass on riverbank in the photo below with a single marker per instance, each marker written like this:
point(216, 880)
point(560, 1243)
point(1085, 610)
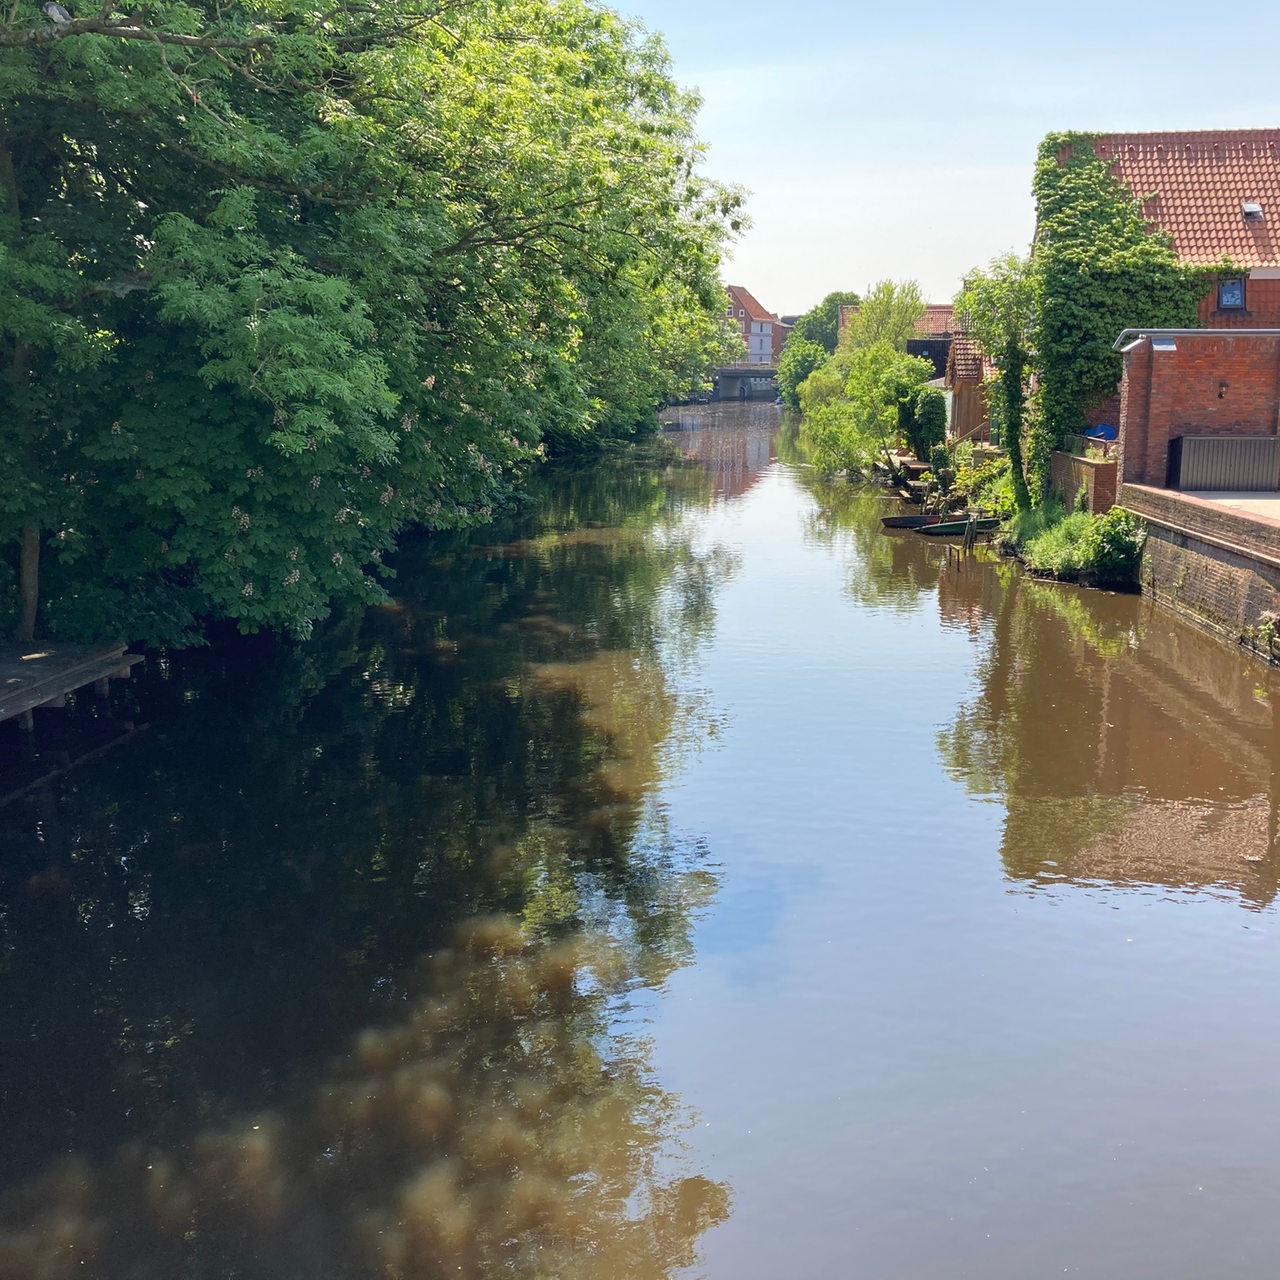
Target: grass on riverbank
point(1100, 551)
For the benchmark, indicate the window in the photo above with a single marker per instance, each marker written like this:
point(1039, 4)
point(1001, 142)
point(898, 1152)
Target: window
point(1231, 294)
point(741, 313)
point(729, 309)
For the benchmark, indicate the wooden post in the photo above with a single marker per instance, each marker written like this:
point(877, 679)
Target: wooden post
point(29, 577)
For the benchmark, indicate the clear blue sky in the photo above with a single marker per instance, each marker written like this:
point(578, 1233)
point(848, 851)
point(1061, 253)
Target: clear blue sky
point(898, 141)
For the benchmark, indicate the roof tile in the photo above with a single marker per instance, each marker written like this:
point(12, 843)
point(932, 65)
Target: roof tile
point(1193, 184)
point(746, 300)
point(966, 358)
point(937, 319)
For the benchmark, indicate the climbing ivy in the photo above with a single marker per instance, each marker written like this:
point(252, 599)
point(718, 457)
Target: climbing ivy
point(1098, 268)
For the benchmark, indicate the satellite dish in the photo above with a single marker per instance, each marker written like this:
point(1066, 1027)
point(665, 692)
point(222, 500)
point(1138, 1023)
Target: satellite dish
point(56, 13)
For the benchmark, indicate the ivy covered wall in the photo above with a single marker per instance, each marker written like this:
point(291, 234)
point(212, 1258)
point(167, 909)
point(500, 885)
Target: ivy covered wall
point(1098, 268)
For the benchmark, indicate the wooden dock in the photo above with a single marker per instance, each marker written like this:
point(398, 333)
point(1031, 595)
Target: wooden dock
point(42, 675)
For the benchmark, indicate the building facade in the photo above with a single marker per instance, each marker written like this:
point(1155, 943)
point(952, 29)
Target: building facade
point(761, 330)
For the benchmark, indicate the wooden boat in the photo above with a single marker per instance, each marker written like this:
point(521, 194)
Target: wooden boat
point(917, 521)
point(956, 528)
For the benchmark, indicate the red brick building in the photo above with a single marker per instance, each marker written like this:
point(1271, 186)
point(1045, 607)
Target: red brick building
point(1217, 194)
point(761, 330)
point(1204, 385)
point(936, 321)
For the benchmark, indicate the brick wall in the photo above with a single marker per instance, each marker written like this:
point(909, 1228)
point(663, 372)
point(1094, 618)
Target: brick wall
point(1173, 393)
point(1106, 410)
point(1206, 561)
point(1097, 477)
point(1262, 308)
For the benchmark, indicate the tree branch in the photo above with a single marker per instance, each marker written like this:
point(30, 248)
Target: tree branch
point(103, 24)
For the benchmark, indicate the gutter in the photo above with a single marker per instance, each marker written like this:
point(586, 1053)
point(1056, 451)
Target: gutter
point(1131, 337)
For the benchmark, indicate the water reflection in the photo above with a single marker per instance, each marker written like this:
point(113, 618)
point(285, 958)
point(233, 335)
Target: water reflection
point(1126, 747)
point(346, 965)
point(885, 569)
point(734, 443)
point(496, 1126)
point(196, 924)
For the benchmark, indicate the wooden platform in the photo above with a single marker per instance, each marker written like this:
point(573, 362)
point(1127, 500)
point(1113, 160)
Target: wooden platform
point(43, 675)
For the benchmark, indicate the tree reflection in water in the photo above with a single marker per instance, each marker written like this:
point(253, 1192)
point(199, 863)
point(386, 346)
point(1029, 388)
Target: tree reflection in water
point(497, 1127)
point(886, 569)
point(197, 924)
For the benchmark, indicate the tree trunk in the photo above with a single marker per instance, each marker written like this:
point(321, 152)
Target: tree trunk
point(1015, 400)
point(29, 572)
point(29, 578)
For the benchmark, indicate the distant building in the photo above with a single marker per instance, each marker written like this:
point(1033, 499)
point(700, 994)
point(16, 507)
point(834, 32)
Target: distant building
point(761, 330)
point(933, 332)
point(938, 320)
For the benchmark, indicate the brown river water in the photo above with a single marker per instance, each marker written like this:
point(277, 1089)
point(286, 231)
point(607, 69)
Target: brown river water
point(681, 878)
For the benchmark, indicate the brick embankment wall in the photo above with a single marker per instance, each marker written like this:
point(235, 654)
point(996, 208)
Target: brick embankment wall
point(1069, 474)
point(1207, 562)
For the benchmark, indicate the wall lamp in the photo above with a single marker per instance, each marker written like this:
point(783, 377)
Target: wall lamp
point(1222, 391)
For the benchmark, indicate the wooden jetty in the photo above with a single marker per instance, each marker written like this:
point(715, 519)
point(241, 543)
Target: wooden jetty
point(42, 675)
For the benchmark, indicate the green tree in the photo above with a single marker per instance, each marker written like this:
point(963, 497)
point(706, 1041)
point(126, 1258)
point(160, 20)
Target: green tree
point(926, 423)
point(888, 313)
point(799, 359)
point(853, 406)
point(997, 307)
point(274, 286)
point(821, 324)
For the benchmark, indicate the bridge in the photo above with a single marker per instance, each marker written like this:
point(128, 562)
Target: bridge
point(734, 381)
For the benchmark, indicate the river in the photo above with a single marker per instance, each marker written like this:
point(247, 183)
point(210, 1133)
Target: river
point(681, 878)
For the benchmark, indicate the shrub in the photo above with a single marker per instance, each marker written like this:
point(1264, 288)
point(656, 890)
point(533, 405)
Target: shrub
point(1060, 548)
point(1103, 550)
point(1113, 548)
point(987, 486)
point(798, 360)
point(925, 422)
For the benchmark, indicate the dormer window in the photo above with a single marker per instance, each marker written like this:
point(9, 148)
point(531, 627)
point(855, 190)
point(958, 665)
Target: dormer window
point(1251, 210)
point(1231, 294)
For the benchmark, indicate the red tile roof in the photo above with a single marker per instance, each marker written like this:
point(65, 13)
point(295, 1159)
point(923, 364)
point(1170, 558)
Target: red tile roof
point(937, 319)
point(1192, 185)
point(965, 359)
point(744, 299)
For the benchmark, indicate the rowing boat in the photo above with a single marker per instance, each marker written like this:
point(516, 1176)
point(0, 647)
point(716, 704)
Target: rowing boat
point(954, 528)
point(912, 521)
